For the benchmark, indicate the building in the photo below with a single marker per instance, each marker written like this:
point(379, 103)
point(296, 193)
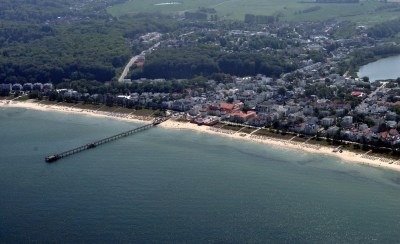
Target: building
point(347, 121)
point(17, 87)
point(311, 129)
point(48, 86)
point(337, 1)
point(326, 122)
point(5, 89)
point(241, 117)
point(38, 87)
point(308, 110)
point(28, 87)
point(332, 131)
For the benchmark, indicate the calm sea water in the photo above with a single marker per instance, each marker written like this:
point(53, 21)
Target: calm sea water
point(386, 68)
point(181, 187)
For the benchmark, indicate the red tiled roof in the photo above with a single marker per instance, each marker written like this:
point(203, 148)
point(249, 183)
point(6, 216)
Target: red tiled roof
point(244, 115)
point(139, 64)
point(383, 134)
point(356, 93)
point(227, 106)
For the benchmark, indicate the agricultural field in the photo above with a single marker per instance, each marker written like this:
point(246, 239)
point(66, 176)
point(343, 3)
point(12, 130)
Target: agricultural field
point(367, 12)
point(162, 6)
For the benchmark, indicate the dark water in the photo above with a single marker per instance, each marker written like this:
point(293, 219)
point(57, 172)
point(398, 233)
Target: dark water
point(181, 187)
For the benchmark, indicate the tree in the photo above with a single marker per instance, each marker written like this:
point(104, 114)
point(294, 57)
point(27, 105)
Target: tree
point(282, 91)
point(246, 109)
point(109, 100)
point(365, 79)
point(383, 127)
point(33, 95)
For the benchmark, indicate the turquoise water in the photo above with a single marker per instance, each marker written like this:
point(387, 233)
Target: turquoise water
point(181, 187)
point(386, 68)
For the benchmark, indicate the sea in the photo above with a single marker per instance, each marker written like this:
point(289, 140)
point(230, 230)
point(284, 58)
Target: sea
point(176, 186)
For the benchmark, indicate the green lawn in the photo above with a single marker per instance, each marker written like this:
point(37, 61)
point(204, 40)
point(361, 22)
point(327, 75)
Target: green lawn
point(366, 13)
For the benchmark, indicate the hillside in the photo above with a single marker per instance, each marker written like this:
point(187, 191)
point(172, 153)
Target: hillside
point(66, 40)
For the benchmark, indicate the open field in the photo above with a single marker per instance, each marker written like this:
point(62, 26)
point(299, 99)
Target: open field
point(138, 6)
point(368, 12)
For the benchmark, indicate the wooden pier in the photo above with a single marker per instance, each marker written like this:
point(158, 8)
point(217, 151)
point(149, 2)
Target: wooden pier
point(55, 157)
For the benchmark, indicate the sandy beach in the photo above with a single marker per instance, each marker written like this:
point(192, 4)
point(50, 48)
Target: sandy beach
point(345, 156)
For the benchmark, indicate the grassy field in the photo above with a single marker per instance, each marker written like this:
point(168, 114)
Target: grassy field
point(368, 12)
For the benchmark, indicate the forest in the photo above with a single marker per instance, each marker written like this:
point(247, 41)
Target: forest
point(361, 57)
point(43, 41)
point(206, 61)
point(385, 29)
point(115, 88)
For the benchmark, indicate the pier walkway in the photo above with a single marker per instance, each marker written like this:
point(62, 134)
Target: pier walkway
point(55, 157)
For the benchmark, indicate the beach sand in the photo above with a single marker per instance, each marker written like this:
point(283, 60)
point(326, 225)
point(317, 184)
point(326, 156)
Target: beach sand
point(345, 156)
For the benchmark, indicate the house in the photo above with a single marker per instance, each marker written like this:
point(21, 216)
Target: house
point(5, 88)
point(263, 108)
point(391, 116)
point(299, 128)
point(121, 99)
point(326, 122)
point(393, 132)
point(181, 105)
point(311, 129)
point(37, 86)
point(213, 109)
point(363, 127)
point(258, 120)
point(340, 112)
point(97, 98)
point(308, 110)
point(347, 121)
point(139, 64)
point(195, 110)
point(134, 97)
point(28, 87)
point(241, 117)
point(227, 107)
point(391, 124)
point(48, 86)
point(294, 117)
point(384, 134)
point(358, 94)
point(72, 94)
point(17, 87)
point(166, 104)
point(332, 131)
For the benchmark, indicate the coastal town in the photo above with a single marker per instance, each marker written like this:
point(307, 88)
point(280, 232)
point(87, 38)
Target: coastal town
point(317, 98)
point(213, 121)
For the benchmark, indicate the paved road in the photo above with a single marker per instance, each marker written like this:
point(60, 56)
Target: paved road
point(133, 60)
point(127, 67)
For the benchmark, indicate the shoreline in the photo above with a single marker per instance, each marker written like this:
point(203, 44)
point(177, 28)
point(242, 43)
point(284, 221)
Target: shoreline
point(345, 156)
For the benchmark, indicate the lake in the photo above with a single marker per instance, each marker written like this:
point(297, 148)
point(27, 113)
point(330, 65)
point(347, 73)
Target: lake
point(386, 68)
point(169, 186)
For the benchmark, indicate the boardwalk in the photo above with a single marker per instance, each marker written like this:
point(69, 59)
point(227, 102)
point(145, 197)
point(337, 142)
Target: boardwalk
point(55, 157)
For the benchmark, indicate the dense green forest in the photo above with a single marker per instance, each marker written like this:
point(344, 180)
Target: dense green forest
point(206, 61)
point(115, 88)
point(67, 40)
point(361, 57)
point(385, 29)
